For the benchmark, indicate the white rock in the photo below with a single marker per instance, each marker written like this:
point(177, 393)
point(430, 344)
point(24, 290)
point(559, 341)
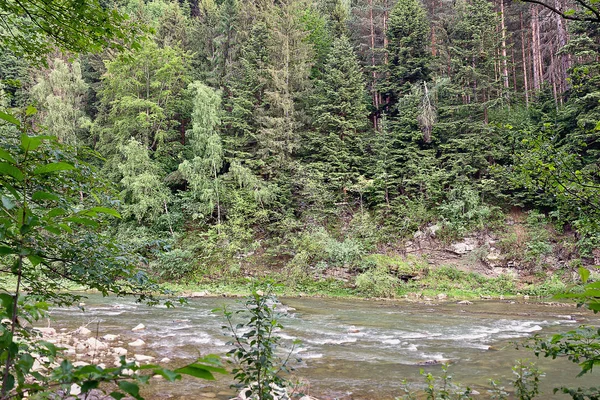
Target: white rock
point(137, 343)
point(83, 331)
point(198, 294)
point(143, 358)
point(110, 338)
point(128, 372)
point(95, 344)
point(80, 364)
point(75, 390)
point(69, 352)
point(465, 303)
point(119, 351)
point(165, 360)
point(442, 296)
point(139, 327)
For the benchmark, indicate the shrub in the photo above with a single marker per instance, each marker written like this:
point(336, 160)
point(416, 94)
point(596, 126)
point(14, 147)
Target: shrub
point(258, 369)
point(174, 264)
point(377, 282)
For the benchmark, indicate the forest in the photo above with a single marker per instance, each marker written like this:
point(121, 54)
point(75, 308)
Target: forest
point(302, 138)
point(426, 150)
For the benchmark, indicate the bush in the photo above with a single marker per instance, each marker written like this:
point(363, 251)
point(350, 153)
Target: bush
point(464, 211)
point(377, 282)
point(346, 253)
point(174, 264)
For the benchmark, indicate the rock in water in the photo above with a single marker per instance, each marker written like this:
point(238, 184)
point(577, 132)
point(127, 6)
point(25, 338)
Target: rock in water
point(139, 327)
point(137, 343)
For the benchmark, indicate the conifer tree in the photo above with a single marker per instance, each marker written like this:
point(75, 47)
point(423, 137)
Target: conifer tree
point(408, 53)
point(339, 116)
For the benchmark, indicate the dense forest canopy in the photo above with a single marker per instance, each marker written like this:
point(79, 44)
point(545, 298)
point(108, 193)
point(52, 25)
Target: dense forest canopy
point(271, 132)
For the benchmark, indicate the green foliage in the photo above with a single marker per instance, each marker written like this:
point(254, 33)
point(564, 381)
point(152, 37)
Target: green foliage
point(60, 97)
point(526, 380)
point(441, 388)
point(258, 368)
point(145, 193)
point(377, 282)
point(55, 209)
point(464, 211)
point(34, 28)
point(202, 171)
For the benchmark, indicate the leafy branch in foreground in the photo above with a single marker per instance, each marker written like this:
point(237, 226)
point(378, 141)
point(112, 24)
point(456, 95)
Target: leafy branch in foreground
point(52, 212)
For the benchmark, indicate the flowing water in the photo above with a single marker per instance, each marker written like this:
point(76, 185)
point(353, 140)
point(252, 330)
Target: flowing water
point(351, 349)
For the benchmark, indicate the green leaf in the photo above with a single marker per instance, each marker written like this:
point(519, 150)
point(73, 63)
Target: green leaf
point(5, 155)
point(55, 212)
point(8, 203)
point(12, 190)
point(39, 195)
point(130, 388)
point(117, 395)
point(30, 143)
point(83, 221)
point(66, 228)
point(31, 110)
point(53, 167)
point(7, 169)
point(89, 385)
point(106, 210)
point(34, 259)
point(9, 118)
point(4, 250)
point(584, 274)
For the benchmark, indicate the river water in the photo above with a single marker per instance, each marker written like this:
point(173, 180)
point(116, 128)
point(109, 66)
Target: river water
point(351, 349)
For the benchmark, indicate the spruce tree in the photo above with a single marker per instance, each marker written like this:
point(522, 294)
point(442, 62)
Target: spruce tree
point(339, 116)
point(408, 53)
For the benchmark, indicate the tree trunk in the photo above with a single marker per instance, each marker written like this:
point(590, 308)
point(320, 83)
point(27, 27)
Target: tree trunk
point(524, 62)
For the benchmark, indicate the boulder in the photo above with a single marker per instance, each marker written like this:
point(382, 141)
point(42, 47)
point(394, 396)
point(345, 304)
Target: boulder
point(465, 303)
point(80, 364)
point(442, 296)
point(464, 247)
point(110, 338)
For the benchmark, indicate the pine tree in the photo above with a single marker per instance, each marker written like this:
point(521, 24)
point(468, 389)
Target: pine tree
point(339, 116)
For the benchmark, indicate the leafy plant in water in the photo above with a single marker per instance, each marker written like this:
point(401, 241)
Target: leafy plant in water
point(440, 388)
point(258, 367)
point(526, 380)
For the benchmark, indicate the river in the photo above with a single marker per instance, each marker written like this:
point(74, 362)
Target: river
point(351, 349)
